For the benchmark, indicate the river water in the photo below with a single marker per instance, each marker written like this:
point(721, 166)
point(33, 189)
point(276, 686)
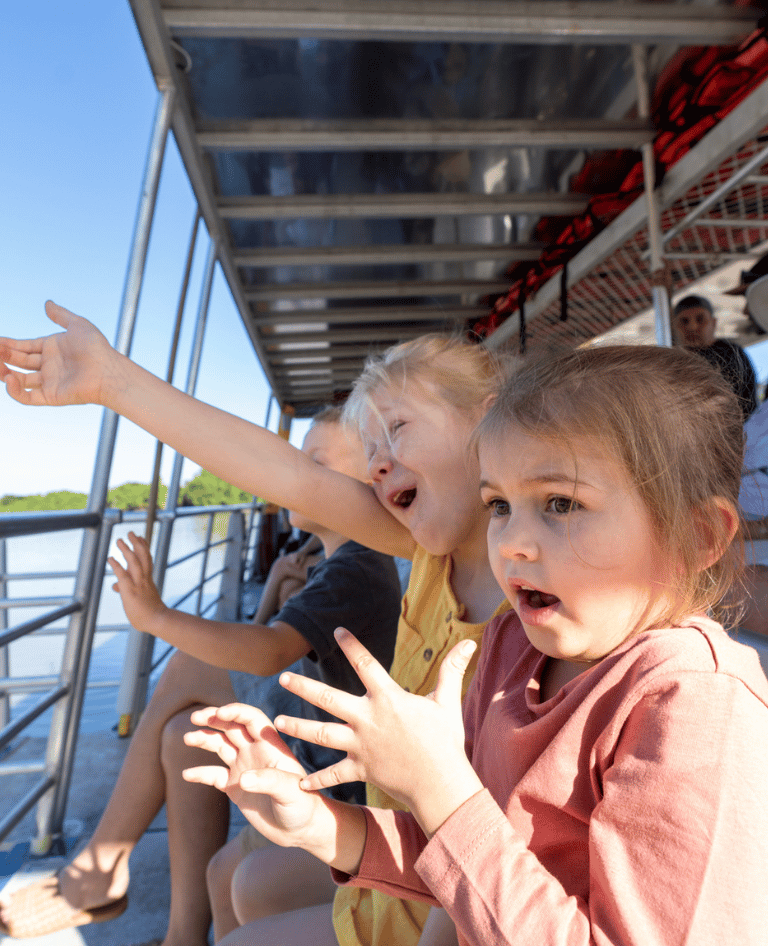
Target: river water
point(40, 654)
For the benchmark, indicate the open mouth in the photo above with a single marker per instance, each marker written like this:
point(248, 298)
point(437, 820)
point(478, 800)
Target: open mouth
point(404, 498)
point(535, 599)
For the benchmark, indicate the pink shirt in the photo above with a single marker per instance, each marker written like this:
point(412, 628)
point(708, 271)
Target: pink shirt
point(631, 808)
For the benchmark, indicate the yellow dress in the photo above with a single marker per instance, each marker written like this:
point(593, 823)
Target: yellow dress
point(431, 623)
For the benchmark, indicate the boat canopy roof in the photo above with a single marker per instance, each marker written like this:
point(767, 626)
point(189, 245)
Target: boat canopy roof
point(372, 170)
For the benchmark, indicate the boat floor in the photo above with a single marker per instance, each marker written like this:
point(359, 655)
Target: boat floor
point(99, 756)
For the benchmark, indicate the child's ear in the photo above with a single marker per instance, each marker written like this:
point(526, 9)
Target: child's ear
point(717, 521)
point(488, 402)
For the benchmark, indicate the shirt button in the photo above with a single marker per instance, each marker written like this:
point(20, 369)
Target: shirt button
point(428, 653)
point(448, 617)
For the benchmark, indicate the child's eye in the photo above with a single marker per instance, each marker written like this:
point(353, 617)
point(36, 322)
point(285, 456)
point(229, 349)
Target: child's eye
point(498, 507)
point(395, 426)
point(562, 505)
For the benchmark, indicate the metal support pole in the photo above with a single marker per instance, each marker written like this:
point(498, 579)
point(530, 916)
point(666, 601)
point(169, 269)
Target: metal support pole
point(204, 562)
point(228, 608)
point(155, 487)
point(659, 291)
point(132, 696)
point(62, 739)
point(80, 676)
point(5, 700)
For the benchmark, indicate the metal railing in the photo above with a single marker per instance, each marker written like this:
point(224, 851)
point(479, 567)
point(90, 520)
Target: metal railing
point(65, 691)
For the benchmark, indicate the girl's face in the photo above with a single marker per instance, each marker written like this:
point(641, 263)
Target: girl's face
point(575, 555)
point(422, 469)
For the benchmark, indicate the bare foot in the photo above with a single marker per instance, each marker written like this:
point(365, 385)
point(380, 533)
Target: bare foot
point(92, 880)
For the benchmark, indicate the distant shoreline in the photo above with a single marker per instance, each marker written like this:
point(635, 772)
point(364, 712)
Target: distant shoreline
point(205, 489)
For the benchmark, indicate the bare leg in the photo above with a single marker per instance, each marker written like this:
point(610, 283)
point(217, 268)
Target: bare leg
point(198, 819)
point(99, 873)
point(314, 926)
point(439, 930)
point(221, 869)
point(276, 880)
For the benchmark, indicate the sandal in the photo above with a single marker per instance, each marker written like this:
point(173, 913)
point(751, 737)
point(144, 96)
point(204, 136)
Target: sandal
point(39, 909)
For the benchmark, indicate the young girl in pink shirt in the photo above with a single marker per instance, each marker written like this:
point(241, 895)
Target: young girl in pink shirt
point(605, 782)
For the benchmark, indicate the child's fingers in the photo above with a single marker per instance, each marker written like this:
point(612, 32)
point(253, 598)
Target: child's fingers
point(58, 314)
point(118, 569)
point(277, 783)
point(214, 775)
point(336, 702)
point(24, 388)
point(212, 741)
point(332, 735)
point(451, 674)
point(251, 717)
point(340, 773)
point(141, 550)
point(132, 563)
point(23, 354)
point(365, 665)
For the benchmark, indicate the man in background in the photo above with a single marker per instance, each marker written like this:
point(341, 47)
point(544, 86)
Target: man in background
point(694, 324)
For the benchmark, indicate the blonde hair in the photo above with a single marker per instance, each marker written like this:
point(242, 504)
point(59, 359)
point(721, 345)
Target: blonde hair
point(458, 372)
point(674, 425)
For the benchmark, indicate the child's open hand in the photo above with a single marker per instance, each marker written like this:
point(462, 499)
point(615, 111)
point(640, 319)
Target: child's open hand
point(410, 746)
point(63, 368)
point(261, 776)
point(143, 605)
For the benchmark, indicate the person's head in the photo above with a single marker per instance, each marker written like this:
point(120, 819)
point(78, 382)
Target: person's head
point(416, 407)
point(331, 443)
point(613, 478)
point(694, 322)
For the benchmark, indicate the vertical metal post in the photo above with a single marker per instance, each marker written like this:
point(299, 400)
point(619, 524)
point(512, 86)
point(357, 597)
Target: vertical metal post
point(659, 289)
point(5, 700)
point(228, 608)
point(155, 487)
point(62, 739)
point(80, 676)
point(132, 696)
point(204, 561)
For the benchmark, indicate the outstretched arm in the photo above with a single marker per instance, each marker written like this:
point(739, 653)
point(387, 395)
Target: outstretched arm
point(79, 366)
point(262, 778)
point(410, 746)
point(262, 649)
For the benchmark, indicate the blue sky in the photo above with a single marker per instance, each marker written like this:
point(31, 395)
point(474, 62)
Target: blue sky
point(77, 101)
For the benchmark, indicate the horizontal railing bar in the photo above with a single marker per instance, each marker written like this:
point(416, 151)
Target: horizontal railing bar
point(161, 658)
point(15, 815)
point(185, 558)
point(14, 524)
point(212, 604)
point(22, 768)
point(27, 684)
point(22, 630)
point(194, 552)
point(35, 684)
point(35, 576)
point(61, 600)
point(12, 730)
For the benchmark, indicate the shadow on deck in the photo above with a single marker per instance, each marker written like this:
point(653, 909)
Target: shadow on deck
point(98, 759)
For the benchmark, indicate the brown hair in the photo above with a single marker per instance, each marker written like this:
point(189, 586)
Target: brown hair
point(675, 426)
point(461, 373)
